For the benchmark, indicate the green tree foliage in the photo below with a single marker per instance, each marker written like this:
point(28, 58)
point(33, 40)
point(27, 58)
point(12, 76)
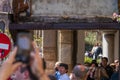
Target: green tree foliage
point(90, 39)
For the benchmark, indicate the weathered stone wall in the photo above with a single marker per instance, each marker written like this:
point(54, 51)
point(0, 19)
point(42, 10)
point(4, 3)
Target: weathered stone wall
point(65, 47)
point(68, 7)
point(116, 43)
point(5, 5)
point(50, 50)
point(4, 9)
point(80, 46)
point(4, 18)
point(74, 7)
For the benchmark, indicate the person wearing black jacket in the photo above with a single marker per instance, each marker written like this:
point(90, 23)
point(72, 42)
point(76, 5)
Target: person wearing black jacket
point(107, 67)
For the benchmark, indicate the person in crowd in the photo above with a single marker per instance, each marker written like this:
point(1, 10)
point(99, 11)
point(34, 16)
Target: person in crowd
point(96, 72)
point(52, 77)
point(63, 69)
point(79, 72)
point(102, 74)
point(57, 73)
point(115, 75)
point(106, 66)
point(112, 65)
point(116, 62)
point(96, 50)
point(93, 51)
point(21, 73)
point(92, 72)
point(88, 54)
point(25, 72)
point(10, 66)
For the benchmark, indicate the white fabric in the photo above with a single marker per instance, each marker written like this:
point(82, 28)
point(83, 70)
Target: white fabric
point(64, 77)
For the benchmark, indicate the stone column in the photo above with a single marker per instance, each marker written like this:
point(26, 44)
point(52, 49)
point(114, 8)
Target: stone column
point(65, 39)
point(116, 51)
point(119, 49)
point(108, 45)
point(81, 46)
point(105, 46)
point(50, 49)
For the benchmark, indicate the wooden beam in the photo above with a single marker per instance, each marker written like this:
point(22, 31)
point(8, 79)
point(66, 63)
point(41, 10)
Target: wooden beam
point(71, 26)
point(119, 6)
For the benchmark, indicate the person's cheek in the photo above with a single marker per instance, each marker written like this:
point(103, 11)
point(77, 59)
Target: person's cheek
point(26, 74)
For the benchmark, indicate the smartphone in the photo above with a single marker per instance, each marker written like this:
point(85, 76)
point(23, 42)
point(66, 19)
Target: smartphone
point(24, 44)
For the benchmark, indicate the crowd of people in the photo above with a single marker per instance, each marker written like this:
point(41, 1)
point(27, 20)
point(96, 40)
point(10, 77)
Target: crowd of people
point(93, 71)
point(35, 70)
point(96, 51)
point(12, 70)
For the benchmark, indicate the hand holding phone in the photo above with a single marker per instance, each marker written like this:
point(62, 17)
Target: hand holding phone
point(24, 44)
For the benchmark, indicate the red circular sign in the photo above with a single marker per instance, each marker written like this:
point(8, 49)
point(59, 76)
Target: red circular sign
point(5, 45)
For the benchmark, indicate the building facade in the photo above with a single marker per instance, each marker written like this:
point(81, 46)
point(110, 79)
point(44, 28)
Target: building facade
point(64, 23)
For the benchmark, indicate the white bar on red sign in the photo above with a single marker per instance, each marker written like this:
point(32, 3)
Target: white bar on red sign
point(4, 46)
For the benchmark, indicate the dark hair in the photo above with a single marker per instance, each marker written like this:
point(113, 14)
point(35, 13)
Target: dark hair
point(96, 64)
point(23, 69)
point(64, 65)
point(105, 58)
point(94, 61)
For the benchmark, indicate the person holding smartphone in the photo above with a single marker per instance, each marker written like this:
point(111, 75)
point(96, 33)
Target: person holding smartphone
point(10, 65)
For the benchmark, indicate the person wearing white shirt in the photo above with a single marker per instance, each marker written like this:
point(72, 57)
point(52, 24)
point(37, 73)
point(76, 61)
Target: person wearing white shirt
point(63, 69)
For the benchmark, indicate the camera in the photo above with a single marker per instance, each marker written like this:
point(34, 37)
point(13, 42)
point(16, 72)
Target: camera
point(24, 44)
